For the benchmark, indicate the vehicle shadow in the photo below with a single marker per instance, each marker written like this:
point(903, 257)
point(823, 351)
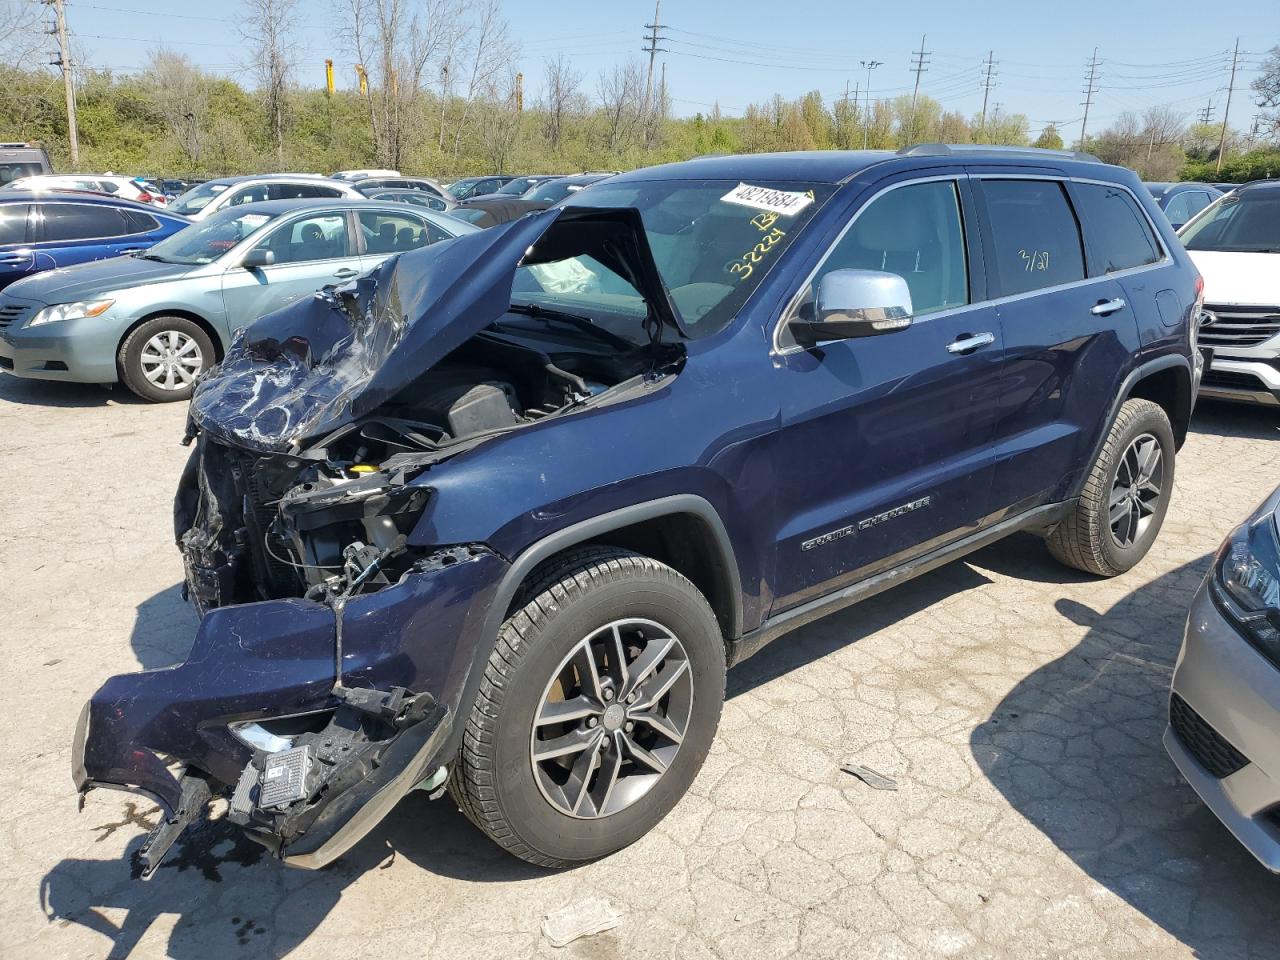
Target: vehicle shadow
point(164, 629)
point(52, 393)
point(1076, 748)
point(1236, 420)
point(228, 893)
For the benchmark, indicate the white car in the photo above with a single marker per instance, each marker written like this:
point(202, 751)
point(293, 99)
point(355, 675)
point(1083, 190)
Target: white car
point(364, 174)
point(1235, 243)
point(124, 187)
point(213, 195)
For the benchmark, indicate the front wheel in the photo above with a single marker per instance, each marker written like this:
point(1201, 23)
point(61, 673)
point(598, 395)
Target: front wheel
point(596, 710)
point(160, 360)
point(1125, 496)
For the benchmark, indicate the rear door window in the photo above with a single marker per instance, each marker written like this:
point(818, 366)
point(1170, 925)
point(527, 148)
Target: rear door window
point(1119, 235)
point(254, 194)
point(1034, 236)
point(395, 232)
point(78, 221)
point(13, 223)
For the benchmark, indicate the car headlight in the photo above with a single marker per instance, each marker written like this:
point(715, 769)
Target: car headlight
point(1246, 582)
point(71, 311)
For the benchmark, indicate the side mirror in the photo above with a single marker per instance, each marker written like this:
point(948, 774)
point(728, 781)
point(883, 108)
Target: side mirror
point(257, 258)
point(855, 303)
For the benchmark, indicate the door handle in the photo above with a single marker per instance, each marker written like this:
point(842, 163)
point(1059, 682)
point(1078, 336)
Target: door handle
point(345, 272)
point(970, 343)
point(1104, 307)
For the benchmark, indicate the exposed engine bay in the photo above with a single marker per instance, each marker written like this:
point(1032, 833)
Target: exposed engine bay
point(266, 526)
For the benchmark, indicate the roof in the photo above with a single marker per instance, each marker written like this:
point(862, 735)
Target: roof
point(277, 207)
point(241, 178)
point(1256, 185)
point(822, 166)
point(82, 196)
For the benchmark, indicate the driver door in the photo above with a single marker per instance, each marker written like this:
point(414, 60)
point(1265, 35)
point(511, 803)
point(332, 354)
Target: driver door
point(310, 252)
point(885, 448)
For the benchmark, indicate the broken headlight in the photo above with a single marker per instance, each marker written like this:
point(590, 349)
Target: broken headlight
point(1246, 582)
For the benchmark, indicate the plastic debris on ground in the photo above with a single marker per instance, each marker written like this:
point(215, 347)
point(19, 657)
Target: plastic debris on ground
point(578, 920)
point(871, 778)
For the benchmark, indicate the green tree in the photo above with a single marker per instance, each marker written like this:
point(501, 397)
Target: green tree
point(1049, 138)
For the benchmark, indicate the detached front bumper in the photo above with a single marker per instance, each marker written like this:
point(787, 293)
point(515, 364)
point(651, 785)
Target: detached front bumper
point(272, 663)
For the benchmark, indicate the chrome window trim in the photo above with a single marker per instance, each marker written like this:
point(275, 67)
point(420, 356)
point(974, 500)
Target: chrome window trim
point(1165, 259)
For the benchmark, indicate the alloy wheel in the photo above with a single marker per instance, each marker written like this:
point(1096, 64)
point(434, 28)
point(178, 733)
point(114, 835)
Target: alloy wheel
point(171, 360)
point(611, 719)
point(1136, 492)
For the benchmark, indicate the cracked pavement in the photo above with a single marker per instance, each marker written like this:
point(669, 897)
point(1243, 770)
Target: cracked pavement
point(1018, 705)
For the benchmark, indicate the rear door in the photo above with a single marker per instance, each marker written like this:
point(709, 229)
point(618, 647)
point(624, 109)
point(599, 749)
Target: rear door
point(310, 252)
point(383, 234)
point(1068, 338)
point(17, 259)
point(68, 233)
point(885, 441)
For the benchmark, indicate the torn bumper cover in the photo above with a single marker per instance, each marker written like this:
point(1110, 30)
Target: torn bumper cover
point(253, 714)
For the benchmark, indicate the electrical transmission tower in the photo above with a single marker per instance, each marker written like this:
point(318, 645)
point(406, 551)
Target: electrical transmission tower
point(920, 65)
point(652, 39)
point(1206, 115)
point(1090, 89)
point(988, 81)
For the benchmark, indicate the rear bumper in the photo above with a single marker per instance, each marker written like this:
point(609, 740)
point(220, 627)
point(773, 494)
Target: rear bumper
point(259, 662)
point(1235, 691)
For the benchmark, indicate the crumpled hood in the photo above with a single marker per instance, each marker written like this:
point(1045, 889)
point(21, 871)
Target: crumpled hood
point(88, 281)
point(326, 360)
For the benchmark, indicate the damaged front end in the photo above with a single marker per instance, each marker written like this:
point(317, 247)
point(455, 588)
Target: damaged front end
point(337, 638)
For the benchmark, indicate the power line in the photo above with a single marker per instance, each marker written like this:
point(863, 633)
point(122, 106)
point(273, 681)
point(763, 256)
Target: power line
point(1090, 88)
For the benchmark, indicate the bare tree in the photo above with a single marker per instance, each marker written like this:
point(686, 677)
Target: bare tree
point(489, 49)
point(621, 93)
point(396, 42)
point(180, 92)
point(563, 97)
point(1267, 87)
point(21, 35)
point(499, 121)
point(267, 26)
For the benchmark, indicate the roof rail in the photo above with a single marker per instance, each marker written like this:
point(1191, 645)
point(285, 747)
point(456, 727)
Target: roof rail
point(952, 149)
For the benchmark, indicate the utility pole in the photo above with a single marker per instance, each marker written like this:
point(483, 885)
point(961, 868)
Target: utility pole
point(651, 47)
point(919, 64)
point(1206, 115)
point(68, 81)
point(866, 126)
point(1226, 112)
point(1090, 88)
point(988, 82)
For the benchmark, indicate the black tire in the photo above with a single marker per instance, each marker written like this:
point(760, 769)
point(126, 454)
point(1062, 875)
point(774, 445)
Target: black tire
point(1085, 539)
point(130, 361)
point(494, 781)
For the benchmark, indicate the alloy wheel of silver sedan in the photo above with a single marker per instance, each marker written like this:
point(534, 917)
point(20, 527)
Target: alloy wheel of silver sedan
point(612, 718)
point(1136, 493)
point(171, 360)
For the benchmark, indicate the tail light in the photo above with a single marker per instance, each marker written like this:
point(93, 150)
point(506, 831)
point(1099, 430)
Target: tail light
point(145, 197)
point(1197, 313)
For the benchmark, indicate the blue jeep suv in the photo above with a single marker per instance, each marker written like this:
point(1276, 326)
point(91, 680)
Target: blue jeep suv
point(495, 518)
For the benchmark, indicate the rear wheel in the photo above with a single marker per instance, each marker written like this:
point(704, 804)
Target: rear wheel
point(1125, 496)
point(596, 710)
point(160, 360)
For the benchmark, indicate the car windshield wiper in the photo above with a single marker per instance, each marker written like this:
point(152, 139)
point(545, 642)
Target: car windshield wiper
point(585, 324)
point(152, 256)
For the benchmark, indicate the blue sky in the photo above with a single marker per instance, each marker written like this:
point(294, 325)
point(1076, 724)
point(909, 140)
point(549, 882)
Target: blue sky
point(1173, 53)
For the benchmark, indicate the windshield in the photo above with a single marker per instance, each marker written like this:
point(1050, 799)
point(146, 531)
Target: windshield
point(197, 198)
point(1243, 222)
point(713, 241)
point(206, 241)
point(516, 186)
point(459, 188)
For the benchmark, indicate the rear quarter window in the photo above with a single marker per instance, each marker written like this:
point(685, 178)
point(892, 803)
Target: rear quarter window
point(1035, 238)
point(1119, 236)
